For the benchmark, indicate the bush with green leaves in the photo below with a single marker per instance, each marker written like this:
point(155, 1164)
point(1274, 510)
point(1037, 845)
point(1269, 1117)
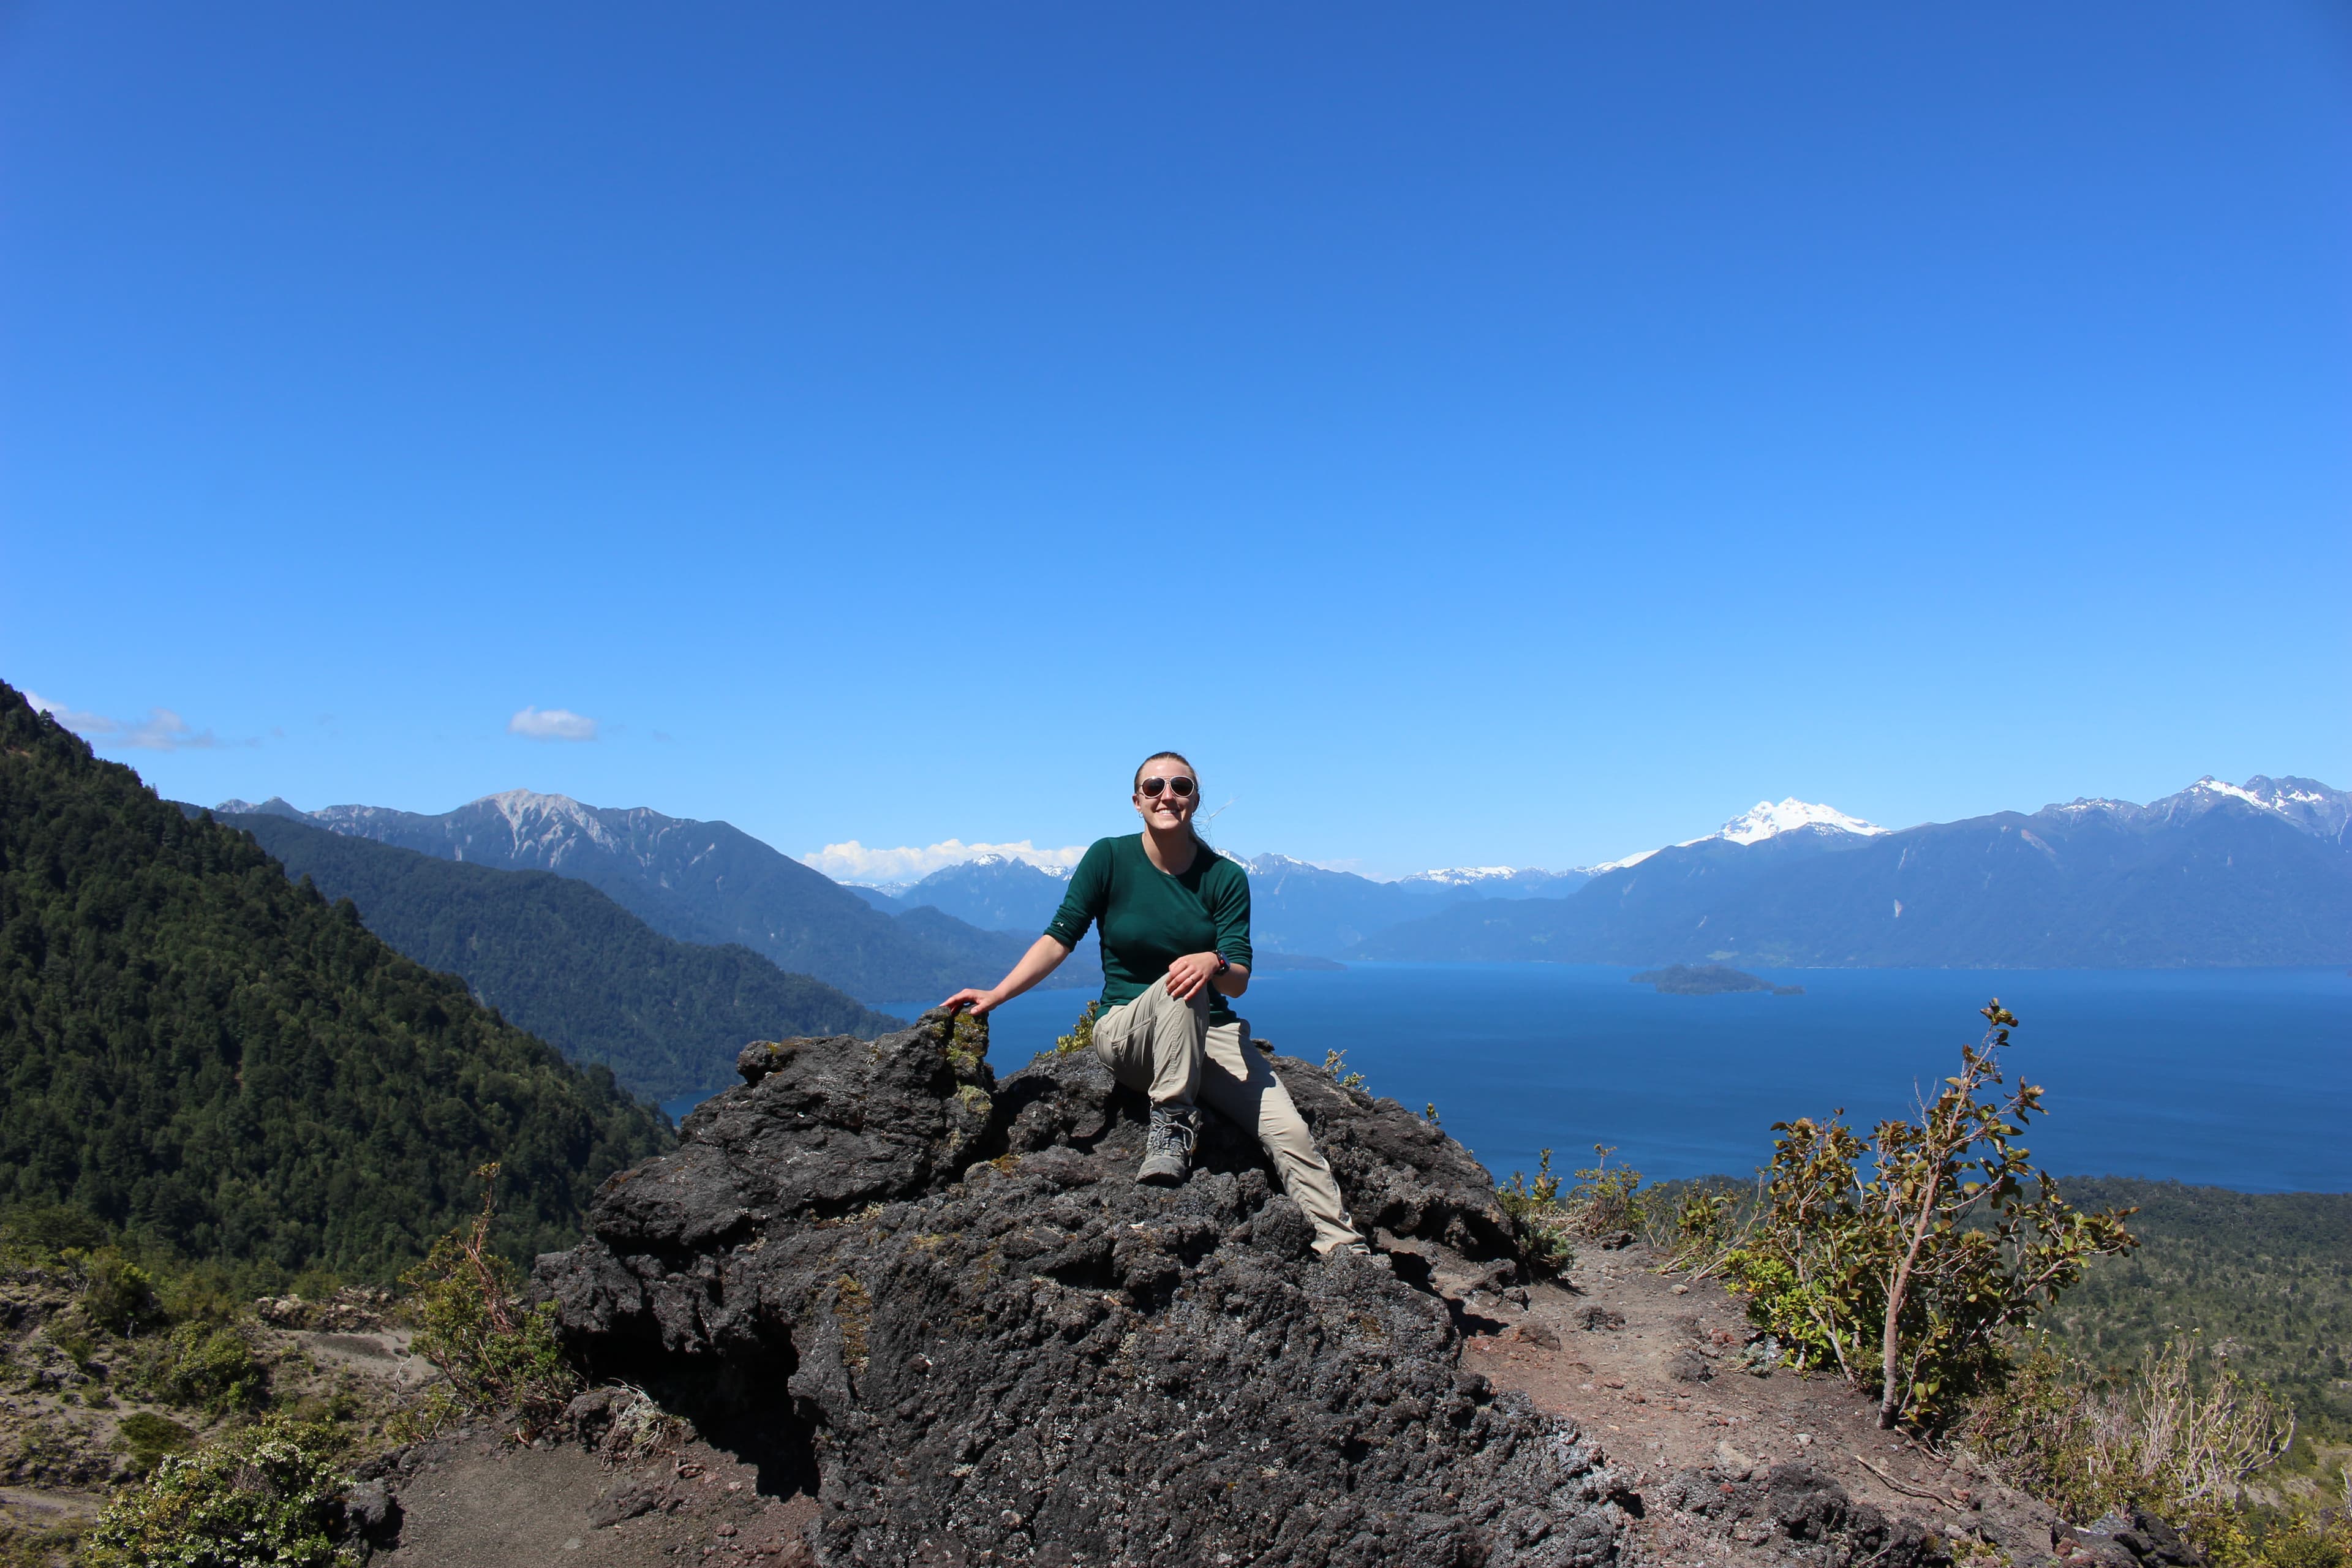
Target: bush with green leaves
point(1907, 1275)
point(149, 1437)
point(497, 1353)
point(207, 1367)
point(1539, 1224)
point(263, 1498)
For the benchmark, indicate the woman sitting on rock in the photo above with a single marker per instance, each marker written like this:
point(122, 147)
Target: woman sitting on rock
point(1175, 918)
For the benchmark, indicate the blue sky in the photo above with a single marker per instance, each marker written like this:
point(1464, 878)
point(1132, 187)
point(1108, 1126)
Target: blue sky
point(1510, 438)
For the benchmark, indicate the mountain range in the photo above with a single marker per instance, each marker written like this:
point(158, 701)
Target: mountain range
point(703, 882)
point(2219, 874)
point(555, 956)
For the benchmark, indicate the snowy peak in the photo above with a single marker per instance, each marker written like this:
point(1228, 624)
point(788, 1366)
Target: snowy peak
point(1765, 820)
point(1464, 876)
point(1758, 821)
point(2305, 805)
point(1633, 860)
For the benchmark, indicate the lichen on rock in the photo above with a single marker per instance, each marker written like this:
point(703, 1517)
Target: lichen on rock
point(1004, 1349)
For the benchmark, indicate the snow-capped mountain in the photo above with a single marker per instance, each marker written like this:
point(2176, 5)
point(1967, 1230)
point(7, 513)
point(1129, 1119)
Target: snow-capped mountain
point(2305, 805)
point(1765, 820)
point(1758, 821)
point(2218, 874)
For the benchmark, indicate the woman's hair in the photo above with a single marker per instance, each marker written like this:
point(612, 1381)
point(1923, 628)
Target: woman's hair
point(1192, 822)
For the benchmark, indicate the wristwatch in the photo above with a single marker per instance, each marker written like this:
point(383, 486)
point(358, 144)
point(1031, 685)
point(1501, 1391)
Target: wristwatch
point(1223, 963)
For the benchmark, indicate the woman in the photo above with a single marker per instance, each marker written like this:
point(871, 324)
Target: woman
point(1174, 917)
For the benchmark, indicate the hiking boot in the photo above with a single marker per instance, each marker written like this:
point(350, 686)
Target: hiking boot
point(1167, 1147)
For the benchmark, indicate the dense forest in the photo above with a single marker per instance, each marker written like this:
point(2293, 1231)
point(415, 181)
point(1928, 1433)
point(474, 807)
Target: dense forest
point(219, 1063)
point(562, 960)
point(2265, 1278)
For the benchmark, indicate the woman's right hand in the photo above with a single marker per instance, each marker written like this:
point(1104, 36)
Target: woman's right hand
point(979, 1002)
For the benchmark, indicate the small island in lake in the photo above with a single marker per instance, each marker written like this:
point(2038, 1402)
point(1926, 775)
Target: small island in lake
point(1709, 980)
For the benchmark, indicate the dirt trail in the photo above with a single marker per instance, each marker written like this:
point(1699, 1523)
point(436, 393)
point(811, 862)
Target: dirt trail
point(476, 1501)
point(1653, 1372)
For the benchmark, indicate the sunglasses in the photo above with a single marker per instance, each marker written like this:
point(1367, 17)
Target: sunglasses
point(1180, 786)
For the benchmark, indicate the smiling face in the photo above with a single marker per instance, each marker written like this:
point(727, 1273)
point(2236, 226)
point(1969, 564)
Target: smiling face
point(1167, 810)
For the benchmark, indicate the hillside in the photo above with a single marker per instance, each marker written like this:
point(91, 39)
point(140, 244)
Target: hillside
point(2218, 875)
point(2266, 1276)
point(560, 959)
point(703, 882)
point(202, 1053)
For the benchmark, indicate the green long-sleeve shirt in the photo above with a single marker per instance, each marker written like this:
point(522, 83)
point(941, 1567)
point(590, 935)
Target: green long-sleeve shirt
point(1150, 919)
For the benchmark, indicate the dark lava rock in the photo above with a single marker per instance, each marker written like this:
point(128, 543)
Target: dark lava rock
point(2139, 1538)
point(1810, 1512)
point(1004, 1349)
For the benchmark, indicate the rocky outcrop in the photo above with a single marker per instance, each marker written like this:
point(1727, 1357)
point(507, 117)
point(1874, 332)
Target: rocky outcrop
point(1004, 1350)
point(1794, 1509)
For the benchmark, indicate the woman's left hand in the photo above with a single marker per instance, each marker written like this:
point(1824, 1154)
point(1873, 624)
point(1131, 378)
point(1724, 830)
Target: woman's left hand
point(1190, 972)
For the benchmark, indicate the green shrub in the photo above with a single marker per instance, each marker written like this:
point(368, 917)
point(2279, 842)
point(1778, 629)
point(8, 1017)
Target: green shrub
point(1604, 1202)
point(497, 1354)
point(262, 1498)
point(210, 1367)
point(117, 1295)
point(150, 1436)
point(1539, 1224)
point(1909, 1277)
point(1335, 1063)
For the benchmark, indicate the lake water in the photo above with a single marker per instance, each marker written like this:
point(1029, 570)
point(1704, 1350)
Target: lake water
point(2230, 1077)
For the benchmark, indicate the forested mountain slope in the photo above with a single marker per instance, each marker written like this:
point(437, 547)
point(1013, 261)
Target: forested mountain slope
point(560, 959)
point(201, 1051)
point(705, 882)
point(2210, 877)
point(2265, 1277)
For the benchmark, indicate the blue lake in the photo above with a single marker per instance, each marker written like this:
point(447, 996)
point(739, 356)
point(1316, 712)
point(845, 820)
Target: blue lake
point(2232, 1078)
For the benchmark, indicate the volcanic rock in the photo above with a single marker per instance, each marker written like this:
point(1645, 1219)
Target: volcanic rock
point(1005, 1350)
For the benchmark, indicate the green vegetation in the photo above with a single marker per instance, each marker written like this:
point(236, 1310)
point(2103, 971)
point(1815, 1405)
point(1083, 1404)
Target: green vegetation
point(2201, 1377)
point(497, 1352)
point(1603, 1204)
point(212, 1063)
point(2263, 1279)
point(262, 1497)
point(564, 960)
point(1910, 1277)
point(2179, 1435)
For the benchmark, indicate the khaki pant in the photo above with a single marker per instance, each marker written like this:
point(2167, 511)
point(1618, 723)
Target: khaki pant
point(1169, 1050)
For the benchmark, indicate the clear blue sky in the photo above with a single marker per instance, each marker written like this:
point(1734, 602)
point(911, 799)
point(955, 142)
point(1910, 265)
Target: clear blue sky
point(1521, 436)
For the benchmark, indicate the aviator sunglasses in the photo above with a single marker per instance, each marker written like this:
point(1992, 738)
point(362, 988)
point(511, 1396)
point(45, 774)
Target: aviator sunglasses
point(1180, 786)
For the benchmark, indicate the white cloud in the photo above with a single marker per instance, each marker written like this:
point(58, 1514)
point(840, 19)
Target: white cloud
point(854, 862)
point(160, 730)
point(552, 724)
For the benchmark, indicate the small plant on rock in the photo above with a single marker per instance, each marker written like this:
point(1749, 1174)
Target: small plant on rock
point(1082, 1033)
point(1335, 1063)
point(497, 1353)
point(1907, 1277)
